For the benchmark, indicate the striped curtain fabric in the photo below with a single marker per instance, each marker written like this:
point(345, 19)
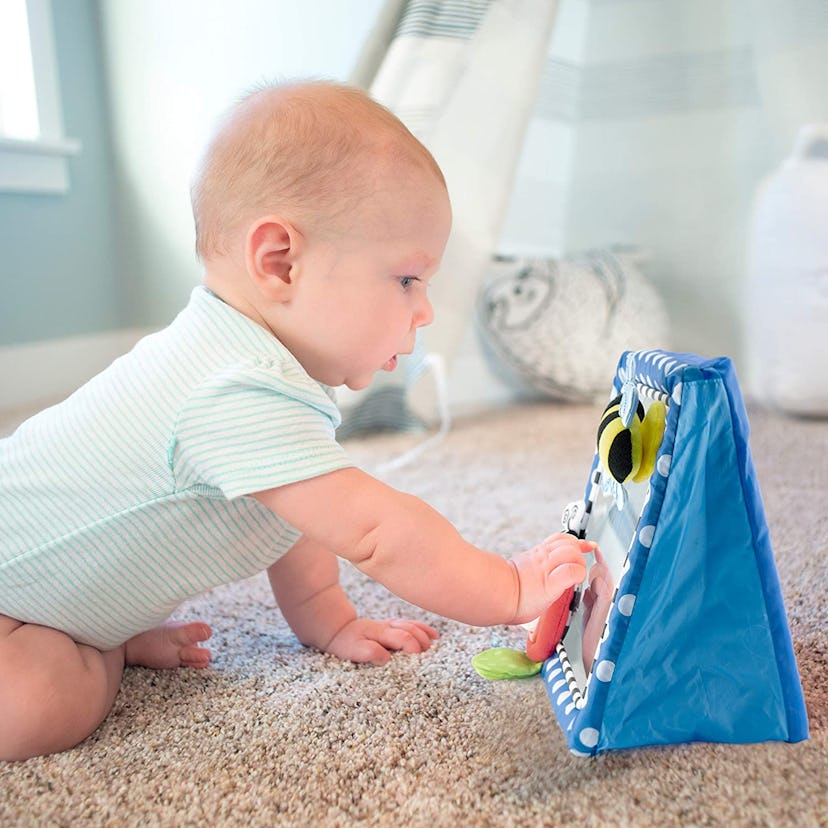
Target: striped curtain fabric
point(463, 75)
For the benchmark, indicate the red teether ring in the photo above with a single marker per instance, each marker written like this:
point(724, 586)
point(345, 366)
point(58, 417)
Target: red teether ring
point(541, 642)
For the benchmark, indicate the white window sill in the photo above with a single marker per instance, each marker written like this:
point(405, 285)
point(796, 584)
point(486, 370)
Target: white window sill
point(38, 166)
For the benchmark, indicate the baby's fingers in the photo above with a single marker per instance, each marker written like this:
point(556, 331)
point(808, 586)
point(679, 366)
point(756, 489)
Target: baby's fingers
point(559, 550)
point(408, 636)
point(564, 576)
point(566, 564)
point(367, 651)
point(565, 540)
point(422, 632)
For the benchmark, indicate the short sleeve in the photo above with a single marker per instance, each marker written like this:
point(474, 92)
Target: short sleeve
point(255, 426)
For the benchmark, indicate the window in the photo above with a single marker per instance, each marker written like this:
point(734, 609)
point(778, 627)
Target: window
point(33, 148)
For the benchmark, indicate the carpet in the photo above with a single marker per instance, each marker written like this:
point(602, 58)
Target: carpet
point(274, 734)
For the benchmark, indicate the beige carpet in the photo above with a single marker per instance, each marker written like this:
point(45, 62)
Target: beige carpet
point(275, 734)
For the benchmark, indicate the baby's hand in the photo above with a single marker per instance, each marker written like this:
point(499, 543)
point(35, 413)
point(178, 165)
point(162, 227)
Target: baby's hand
point(546, 571)
point(363, 640)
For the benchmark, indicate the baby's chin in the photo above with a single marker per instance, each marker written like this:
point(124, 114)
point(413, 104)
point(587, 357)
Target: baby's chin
point(358, 383)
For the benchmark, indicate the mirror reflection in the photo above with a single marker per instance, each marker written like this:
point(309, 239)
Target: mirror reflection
point(611, 524)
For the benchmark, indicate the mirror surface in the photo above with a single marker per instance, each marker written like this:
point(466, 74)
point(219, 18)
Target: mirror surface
point(612, 529)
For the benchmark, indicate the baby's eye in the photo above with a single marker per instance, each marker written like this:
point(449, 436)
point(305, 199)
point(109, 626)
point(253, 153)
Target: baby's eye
point(407, 281)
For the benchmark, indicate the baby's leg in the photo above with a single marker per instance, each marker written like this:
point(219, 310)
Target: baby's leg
point(55, 692)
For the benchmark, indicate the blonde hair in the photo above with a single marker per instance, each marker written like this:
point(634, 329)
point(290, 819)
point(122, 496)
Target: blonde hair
point(306, 151)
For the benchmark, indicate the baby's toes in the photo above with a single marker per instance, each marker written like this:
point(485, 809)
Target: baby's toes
point(183, 634)
point(194, 656)
point(197, 632)
point(185, 638)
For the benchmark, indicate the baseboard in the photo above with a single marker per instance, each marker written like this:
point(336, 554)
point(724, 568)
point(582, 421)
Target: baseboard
point(46, 371)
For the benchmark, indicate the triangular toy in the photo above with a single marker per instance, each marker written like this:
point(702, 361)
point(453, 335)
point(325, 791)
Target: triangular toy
point(696, 645)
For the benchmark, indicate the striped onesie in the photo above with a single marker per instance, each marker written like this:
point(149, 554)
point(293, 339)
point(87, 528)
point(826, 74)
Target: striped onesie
point(129, 497)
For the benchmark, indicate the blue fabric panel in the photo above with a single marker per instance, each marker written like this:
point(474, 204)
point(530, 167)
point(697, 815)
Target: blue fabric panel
point(777, 617)
point(698, 661)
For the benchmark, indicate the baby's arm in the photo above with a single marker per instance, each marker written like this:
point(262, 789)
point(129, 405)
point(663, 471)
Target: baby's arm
point(305, 583)
point(407, 546)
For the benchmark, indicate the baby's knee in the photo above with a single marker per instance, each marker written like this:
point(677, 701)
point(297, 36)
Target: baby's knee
point(22, 697)
point(49, 698)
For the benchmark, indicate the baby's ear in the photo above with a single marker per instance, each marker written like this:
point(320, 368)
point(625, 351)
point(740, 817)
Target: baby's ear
point(270, 253)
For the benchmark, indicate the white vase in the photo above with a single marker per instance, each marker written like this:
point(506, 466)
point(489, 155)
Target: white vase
point(786, 331)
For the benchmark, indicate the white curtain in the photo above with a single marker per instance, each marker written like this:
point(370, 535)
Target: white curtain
point(463, 75)
point(573, 125)
point(669, 115)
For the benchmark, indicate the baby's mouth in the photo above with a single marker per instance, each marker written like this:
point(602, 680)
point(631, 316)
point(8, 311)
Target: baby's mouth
point(391, 364)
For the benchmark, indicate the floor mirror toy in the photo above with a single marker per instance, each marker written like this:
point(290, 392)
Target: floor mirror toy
point(679, 633)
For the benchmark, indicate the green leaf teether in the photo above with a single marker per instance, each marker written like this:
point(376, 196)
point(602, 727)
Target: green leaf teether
point(505, 663)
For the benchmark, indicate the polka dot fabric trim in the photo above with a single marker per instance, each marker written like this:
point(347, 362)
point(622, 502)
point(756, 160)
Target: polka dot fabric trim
point(579, 711)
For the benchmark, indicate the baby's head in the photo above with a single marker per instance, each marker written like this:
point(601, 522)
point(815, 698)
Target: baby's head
point(310, 151)
point(323, 219)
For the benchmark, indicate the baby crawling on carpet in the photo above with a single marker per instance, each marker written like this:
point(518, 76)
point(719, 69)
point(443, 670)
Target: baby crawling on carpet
point(208, 453)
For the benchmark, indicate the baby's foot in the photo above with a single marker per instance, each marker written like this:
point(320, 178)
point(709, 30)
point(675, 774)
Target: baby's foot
point(170, 645)
point(597, 600)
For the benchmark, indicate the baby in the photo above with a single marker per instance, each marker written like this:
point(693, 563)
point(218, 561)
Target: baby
point(208, 453)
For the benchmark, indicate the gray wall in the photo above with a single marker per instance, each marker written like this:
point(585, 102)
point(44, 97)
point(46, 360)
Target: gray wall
point(141, 88)
point(59, 263)
point(173, 67)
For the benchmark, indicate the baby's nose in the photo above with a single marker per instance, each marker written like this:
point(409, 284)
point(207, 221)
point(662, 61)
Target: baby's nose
point(424, 315)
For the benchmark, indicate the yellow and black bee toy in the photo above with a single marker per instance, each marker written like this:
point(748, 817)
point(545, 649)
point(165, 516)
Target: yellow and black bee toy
point(629, 452)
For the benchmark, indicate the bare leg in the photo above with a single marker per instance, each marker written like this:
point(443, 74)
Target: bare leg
point(55, 692)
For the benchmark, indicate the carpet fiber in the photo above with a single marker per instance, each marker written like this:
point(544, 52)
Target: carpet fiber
point(275, 734)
